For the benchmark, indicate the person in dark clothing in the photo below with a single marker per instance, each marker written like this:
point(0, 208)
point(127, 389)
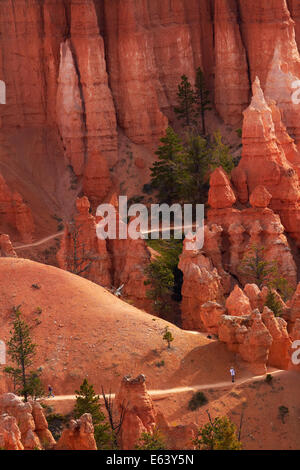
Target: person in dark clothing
point(50, 390)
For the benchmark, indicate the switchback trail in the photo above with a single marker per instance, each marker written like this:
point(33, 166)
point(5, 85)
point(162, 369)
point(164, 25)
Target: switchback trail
point(192, 388)
point(59, 234)
point(39, 242)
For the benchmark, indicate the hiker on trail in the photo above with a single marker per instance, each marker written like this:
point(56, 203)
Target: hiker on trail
point(232, 373)
point(50, 390)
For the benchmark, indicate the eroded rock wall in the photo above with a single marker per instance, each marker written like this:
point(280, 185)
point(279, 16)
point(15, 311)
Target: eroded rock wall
point(82, 75)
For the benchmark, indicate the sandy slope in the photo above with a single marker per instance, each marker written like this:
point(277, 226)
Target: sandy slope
point(262, 426)
point(84, 330)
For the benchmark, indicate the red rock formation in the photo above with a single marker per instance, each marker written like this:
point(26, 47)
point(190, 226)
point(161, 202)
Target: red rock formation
point(249, 337)
point(260, 197)
point(15, 213)
point(179, 437)
point(261, 35)
point(256, 345)
point(253, 293)
point(24, 219)
point(279, 355)
point(232, 330)
point(259, 339)
point(220, 194)
point(70, 109)
point(130, 257)
point(94, 71)
point(295, 333)
point(260, 226)
point(107, 262)
point(238, 303)
point(6, 248)
point(81, 251)
point(210, 315)
point(79, 435)
point(239, 179)
point(294, 310)
point(41, 426)
point(285, 141)
point(213, 248)
point(294, 8)
point(265, 162)
point(232, 81)
point(30, 419)
point(10, 435)
point(140, 415)
point(201, 284)
point(283, 72)
point(166, 41)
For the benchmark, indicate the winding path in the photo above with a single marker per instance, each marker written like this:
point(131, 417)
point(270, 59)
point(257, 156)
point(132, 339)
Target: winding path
point(192, 388)
point(59, 234)
point(39, 242)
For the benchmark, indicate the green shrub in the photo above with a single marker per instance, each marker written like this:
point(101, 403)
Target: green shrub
point(273, 303)
point(269, 379)
point(56, 423)
point(160, 364)
point(151, 441)
point(219, 434)
point(283, 412)
point(197, 400)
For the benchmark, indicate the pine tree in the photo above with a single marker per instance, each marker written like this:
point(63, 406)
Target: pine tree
point(160, 278)
point(219, 434)
point(182, 171)
point(256, 268)
point(273, 303)
point(151, 441)
point(221, 155)
point(22, 351)
point(168, 337)
point(35, 386)
point(88, 402)
point(195, 176)
point(186, 110)
point(165, 173)
point(201, 98)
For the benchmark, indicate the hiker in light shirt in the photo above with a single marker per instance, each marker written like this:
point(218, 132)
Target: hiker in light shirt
point(232, 373)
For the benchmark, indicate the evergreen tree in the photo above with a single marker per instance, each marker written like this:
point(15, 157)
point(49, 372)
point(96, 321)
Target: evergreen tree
point(273, 303)
point(88, 402)
point(219, 434)
point(195, 178)
point(186, 107)
point(35, 386)
point(168, 337)
point(282, 286)
point(21, 350)
point(201, 98)
point(165, 173)
point(221, 155)
point(256, 268)
point(160, 278)
point(151, 441)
